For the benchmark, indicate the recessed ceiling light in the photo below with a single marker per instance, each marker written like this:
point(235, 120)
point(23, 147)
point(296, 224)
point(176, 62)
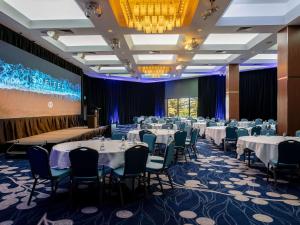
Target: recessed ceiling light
point(264, 56)
point(82, 40)
point(154, 39)
point(101, 58)
point(229, 39)
point(211, 56)
point(199, 30)
point(109, 31)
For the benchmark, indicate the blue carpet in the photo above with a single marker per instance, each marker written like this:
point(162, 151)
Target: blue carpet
point(214, 189)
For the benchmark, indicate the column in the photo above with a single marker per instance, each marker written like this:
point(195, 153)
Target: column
point(288, 75)
point(232, 92)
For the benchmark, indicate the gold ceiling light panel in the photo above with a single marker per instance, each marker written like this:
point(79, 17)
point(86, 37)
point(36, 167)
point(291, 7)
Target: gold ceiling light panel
point(154, 71)
point(154, 16)
point(192, 44)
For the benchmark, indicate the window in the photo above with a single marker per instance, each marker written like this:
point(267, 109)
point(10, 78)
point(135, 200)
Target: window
point(182, 107)
point(172, 107)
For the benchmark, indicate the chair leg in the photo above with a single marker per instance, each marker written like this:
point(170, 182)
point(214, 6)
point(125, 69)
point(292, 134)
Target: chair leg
point(195, 151)
point(170, 180)
point(148, 179)
point(160, 184)
point(249, 155)
point(268, 171)
point(32, 191)
point(121, 192)
point(132, 184)
point(187, 149)
point(224, 146)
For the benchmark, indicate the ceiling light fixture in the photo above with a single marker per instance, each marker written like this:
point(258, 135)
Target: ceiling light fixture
point(115, 43)
point(192, 44)
point(81, 55)
point(155, 71)
point(53, 34)
point(179, 67)
point(209, 12)
point(152, 16)
point(93, 8)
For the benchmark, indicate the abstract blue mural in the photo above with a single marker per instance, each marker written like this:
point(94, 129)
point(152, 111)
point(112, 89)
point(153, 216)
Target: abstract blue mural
point(19, 77)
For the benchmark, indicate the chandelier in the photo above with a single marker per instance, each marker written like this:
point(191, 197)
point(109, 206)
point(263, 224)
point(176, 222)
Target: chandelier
point(154, 16)
point(154, 71)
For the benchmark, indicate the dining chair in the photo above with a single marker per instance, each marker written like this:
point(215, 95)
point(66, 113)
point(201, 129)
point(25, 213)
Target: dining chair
point(180, 139)
point(241, 132)
point(163, 167)
point(288, 158)
point(211, 124)
point(142, 132)
point(40, 169)
point(258, 121)
point(244, 120)
point(84, 169)
point(255, 130)
point(150, 139)
point(117, 136)
point(191, 144)
point(134, 167)
point(268, 132)
point(167, 126)
point(297, 133)
point(230, 136)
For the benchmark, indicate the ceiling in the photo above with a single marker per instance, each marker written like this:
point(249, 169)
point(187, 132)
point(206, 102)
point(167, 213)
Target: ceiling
point(240, 32)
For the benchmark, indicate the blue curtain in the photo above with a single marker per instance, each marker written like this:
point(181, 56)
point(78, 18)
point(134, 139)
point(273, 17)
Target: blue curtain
point(120, 101)
point(211, 96)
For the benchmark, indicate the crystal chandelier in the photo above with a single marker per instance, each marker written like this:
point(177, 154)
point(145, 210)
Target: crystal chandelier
point(154, 16)
point(154, 71)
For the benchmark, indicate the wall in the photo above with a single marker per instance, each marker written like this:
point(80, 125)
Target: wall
point(182, 88)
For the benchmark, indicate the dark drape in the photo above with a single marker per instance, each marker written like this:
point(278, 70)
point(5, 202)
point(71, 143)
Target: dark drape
point(120, 101)
point(258, 94)
point(211, 96)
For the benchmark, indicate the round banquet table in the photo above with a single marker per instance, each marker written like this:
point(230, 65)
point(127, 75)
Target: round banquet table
point(265, 147)
point(159, 126)
point(162, 135)
point(218, 133)
point(112, 155)
point(201, 126)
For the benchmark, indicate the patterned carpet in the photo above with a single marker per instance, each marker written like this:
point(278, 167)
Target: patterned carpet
point(214, 189)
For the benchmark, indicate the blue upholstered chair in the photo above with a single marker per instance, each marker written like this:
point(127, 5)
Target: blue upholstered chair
point(117, 136)
point(142, 132)
point(146, 126)
point(241, 132)
point(288, 158)
point(268, 132)
point(180, 139)
point(84, 168)
point(258, 121)
point(40, 169)
point(297, 134)
point(244, 119)
point(231, 136)
point(191, 144)
point(255, 130)
point(211, 124)
point(162, 168)
point(134, 167)
point(150, 139)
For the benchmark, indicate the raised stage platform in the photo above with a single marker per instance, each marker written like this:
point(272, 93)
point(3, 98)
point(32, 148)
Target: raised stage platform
point(54, 137)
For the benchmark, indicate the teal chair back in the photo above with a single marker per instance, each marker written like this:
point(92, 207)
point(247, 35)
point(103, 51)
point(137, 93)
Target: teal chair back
point(255, 130)
point(241, 132)
point(297, 134)
point(39, 162)
point(135, 160)
point(169, 155)
point(288, 152)
point(243, 119)
point(181, 126)
point(212, 124)
point(142, 133)
point(180, 138)
point(270, 132)
point(258, 121)
point(231, 133)
point(117, 136)
point(194, 136)
point(150, 139)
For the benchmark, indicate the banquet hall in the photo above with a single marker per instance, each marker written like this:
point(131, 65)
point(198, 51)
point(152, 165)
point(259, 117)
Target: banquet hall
point(149, 112)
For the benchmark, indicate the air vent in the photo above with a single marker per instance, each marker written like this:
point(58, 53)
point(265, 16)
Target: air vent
point(220, 51)
point(60, 31)
point(244, 29)
point(154, 52)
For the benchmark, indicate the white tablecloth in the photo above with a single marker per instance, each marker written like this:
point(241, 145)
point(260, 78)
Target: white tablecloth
point(159, 126)
point(217, 133)
point(162, 135)
point(201, 126)
point(112, 155)
point(265, 147)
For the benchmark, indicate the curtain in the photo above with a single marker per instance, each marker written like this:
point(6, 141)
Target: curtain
point(258, 94)
point(120, 101)
point(211, 96)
